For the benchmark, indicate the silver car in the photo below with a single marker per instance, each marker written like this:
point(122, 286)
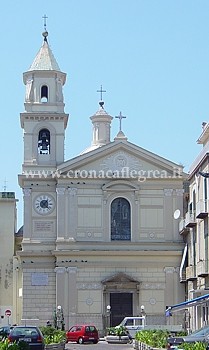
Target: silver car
point(201, 335)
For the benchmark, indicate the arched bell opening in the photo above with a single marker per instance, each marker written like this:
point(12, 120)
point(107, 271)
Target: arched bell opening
point(44, 141)
point(44, 93)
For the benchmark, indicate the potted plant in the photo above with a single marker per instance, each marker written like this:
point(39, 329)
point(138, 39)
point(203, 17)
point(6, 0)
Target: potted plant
point(117, 335)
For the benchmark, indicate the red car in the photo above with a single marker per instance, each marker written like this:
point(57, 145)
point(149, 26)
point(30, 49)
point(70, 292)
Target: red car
point(82, 334)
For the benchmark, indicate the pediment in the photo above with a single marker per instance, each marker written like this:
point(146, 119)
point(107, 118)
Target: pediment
point(120, 160)
point(121, 185)
point(120, 278)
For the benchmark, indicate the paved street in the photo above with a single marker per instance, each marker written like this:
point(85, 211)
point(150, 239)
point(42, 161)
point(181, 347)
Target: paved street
point(102, 345)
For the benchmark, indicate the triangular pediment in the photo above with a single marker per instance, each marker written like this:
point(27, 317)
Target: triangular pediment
point(120, 277)
point(120, 159)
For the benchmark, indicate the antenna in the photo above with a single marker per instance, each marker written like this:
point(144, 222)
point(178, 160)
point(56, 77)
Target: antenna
point(176, 214)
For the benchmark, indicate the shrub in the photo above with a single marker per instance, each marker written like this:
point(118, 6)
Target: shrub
point(119, 331)
point(53, 335)
point(155, 338)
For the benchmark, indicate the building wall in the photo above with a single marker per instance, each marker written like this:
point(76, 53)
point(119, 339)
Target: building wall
point(7, 238)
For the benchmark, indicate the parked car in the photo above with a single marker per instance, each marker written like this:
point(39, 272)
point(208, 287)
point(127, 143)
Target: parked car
point(201, 335)
point(4, 331)
point(82, 334)
point(133, 324)
point(29, 334)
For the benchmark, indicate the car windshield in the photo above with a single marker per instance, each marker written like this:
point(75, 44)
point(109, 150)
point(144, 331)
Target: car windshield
point(24, 331)
point(199, 332)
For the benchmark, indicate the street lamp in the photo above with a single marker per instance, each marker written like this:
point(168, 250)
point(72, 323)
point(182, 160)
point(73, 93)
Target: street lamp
point(108, 315)
point(143, 313)
point(59, 318)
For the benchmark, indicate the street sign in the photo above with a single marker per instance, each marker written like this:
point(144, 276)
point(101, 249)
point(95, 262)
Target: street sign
point(8, 312)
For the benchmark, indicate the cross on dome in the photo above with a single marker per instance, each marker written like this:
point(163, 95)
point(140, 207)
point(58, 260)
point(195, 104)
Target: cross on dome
point(101, 103)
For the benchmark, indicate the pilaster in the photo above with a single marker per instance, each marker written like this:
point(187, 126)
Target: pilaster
point(72, 212)
point(27, 228)
point(61, 205)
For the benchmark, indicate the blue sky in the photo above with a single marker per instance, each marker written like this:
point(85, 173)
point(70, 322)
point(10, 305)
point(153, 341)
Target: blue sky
point(151, 56)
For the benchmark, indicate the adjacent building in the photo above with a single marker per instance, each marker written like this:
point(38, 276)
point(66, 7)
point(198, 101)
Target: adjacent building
point(194, 229)
point(8, 222)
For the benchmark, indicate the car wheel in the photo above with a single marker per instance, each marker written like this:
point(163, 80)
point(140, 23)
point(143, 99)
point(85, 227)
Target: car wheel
point(80, 340)
point(95, 341)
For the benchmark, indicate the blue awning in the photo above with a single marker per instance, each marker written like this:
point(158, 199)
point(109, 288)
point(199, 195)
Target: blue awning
point(188, 303)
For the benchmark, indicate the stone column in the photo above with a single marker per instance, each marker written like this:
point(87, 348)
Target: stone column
point(61, 205)
point(27, 228)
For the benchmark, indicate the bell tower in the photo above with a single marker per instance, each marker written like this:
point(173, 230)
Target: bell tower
point(44, 120)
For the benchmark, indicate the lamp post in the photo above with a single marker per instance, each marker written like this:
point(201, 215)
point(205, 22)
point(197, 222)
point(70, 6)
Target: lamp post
point(143, 313)
point(59, 318)
point(108, 313)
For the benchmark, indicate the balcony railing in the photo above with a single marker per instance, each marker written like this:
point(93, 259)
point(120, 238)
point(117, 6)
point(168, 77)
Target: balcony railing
point(191, 273)
point(182, 227)
point(201, 209)
point(202, 268)
point(190, 219)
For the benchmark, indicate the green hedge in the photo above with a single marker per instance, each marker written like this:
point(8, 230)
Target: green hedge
point(158, 339)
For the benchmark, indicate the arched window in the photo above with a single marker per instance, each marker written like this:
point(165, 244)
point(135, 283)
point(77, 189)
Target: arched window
point(44, 141)
point(44, 93)
point(120, 220)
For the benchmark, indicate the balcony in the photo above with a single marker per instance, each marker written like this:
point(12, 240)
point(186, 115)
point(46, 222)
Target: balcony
point(190, 273)
point(190, 219)
point(201, 209)
point(202, 268)
point(183, 276)
point(182, 227)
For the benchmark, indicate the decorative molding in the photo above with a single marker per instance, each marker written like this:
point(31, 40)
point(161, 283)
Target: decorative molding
point(169, 269)
point(168, 192)
point(179, 192)
point(60, 269)
point(120, 160)
point(89, 301)
point(152, 286)
point(90, 285)
point(72, 191)
point(71, 269)
point(152, 301)
point(27, 192)
point(60, 190)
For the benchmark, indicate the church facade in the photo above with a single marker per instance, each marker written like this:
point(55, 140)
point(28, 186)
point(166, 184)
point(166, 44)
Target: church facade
point(100, 241)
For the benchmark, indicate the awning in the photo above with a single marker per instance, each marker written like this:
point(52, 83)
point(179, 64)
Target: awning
point(188, 303)
point(183, 261)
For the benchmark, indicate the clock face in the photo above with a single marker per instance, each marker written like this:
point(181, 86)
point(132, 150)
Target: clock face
point(44, 204)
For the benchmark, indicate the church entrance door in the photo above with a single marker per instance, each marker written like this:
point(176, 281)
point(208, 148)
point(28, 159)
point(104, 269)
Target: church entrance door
point(121, 306)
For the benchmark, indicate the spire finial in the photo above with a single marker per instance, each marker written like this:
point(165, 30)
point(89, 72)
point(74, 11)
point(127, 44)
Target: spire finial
point(120, 117)
point(101, 102)
point(45, 33)
point(5, 185)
